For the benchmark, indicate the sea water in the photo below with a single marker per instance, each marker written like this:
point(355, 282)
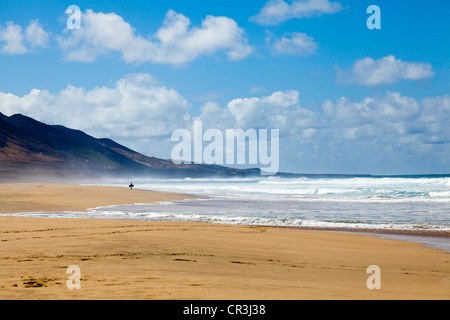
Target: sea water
point(418, 203)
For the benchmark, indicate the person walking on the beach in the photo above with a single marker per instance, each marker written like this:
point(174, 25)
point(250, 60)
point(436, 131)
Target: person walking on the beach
point(131, 186)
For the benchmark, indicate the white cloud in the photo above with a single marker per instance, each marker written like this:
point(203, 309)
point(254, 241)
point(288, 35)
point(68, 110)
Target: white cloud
point(213, 116)
point(393, 120)
point(175, 42)
point(269, 111)
point(394, 133)
point(391, 134)
point(275, 12)
point(295, 43)
point(391, 108)
point(280, 110)
point(12, 36)
point(16, 41)
point(389, 69)
point(140, 113)
point(36, 35)
point(345, 131)
point(136, 107)
point(436, 118)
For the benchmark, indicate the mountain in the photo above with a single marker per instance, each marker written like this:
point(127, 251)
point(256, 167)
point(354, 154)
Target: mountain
point(29, 148)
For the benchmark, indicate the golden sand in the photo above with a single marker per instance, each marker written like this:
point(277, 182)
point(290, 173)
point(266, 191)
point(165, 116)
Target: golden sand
point(177, 260)
point(16, 198)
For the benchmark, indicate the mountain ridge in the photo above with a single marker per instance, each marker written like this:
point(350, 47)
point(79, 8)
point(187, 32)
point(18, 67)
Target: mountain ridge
point(31, 147)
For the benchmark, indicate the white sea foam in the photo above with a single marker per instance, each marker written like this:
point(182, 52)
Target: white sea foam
point(325, 202)
point(334, 189)
point(350, 202)
point(360, 202)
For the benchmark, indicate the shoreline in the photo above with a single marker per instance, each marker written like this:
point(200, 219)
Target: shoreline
point(122, 196)
point(432, 239)
point(167, 260)
point(409, 232)
point(429, 238)
point(54, 197)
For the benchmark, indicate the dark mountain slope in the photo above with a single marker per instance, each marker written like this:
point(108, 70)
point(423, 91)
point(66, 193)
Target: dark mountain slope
point(29, 145)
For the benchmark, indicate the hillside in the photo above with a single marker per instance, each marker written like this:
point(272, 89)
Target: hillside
point(29, 148)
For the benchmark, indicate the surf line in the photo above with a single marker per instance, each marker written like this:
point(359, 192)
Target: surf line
point(221, 148)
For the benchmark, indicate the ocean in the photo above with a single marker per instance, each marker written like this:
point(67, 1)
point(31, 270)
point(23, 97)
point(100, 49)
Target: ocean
point(405, 203)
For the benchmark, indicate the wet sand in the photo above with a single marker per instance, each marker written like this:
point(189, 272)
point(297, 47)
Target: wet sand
point(180, 260)
point(39, 197)
point(437, 239)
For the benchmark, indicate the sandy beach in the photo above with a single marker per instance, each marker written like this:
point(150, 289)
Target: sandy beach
point(61, 197)
point(123, 259)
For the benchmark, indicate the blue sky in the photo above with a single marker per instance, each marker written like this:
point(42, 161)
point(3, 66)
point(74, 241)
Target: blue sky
point(345, 98)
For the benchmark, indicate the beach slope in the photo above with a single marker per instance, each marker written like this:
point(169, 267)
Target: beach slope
point(40, 197)
point(176, 260)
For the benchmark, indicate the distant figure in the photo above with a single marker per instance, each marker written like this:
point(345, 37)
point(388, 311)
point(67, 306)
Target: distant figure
point(131, 186)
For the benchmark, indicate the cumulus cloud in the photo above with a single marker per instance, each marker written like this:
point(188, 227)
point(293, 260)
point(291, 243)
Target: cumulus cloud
point(393, 133)
point(36, 35)
point(269, 111)
point(393, 119)
point(139, 112)
point(436, 117)
point(280, 110)
point(391, 108)
point(175, 42)
point(389, 69)
point(136, 107)
point(275, 12)
point(357, 133)
point(13, 40)
point(295, 43)
point(214, 116)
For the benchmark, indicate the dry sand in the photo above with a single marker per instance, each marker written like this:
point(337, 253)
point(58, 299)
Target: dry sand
point(164, 260)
